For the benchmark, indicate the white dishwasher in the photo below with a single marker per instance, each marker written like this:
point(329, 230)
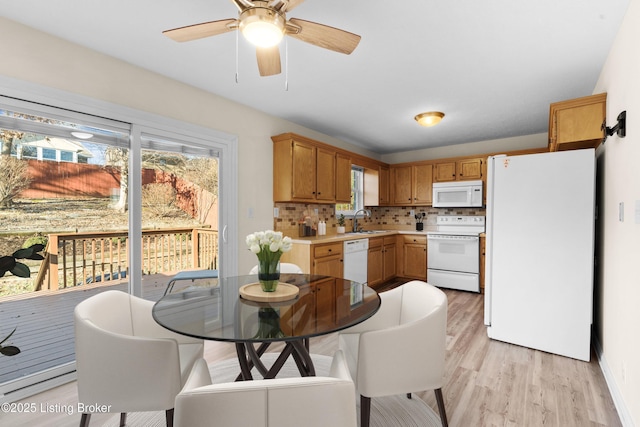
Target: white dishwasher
point(355, 260)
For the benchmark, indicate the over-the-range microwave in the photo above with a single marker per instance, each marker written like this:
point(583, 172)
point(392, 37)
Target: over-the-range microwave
point(457, 194)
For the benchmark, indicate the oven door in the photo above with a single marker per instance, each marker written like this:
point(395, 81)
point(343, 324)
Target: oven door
point(453, 253)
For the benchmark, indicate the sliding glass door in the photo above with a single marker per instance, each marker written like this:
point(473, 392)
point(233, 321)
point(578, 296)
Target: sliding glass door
point(180, 218)
point(89, 204)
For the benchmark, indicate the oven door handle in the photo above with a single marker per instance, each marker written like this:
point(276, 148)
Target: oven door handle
point(459, 238)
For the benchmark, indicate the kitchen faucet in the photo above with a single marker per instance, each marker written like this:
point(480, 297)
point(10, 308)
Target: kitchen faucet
point(355, 218)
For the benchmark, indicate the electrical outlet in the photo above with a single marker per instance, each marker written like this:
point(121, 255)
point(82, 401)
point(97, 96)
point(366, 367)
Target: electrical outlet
point(412, 213)
point(276, 212)
point(316, 211)
point(621, 211)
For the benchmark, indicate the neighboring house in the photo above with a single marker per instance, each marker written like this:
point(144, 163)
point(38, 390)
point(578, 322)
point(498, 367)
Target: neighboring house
point(53, 149)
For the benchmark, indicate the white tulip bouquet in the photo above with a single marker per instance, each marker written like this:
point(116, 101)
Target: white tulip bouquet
point(268, 246)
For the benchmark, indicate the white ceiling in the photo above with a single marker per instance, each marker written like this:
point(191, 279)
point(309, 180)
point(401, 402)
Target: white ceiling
point(492, 66)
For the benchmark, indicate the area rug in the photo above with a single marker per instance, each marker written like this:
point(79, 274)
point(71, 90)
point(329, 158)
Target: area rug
point(388, 411)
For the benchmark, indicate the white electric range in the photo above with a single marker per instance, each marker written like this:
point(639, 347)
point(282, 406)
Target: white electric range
point(453, 252)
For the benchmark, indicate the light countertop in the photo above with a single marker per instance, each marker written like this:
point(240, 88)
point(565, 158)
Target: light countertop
point(314, 240)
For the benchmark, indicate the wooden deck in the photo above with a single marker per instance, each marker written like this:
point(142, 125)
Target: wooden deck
point(44, 322)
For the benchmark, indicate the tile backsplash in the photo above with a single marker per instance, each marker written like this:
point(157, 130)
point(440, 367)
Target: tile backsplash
point(385, 217)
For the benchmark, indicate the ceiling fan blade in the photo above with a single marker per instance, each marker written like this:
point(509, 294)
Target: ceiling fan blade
point(268, 60)
point(292, 4)
point(324, 36)
point(242, 4)
point(199, 31)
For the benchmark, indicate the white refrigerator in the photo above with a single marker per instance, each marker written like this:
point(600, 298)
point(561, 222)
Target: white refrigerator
point(540, 251)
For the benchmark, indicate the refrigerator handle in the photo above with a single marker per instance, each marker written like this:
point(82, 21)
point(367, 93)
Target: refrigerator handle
point(488, 259)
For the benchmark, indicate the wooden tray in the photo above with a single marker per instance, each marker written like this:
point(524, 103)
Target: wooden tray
point(254, 292)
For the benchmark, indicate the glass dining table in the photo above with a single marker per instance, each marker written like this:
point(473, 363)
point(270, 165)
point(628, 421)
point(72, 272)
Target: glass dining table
point(218, 312)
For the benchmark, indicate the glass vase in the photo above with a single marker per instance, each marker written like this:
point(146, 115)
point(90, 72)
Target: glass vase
point(269, 273)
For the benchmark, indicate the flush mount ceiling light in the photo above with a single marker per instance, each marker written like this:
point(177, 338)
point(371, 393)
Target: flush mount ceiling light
point(262, 27)
point(82, 135)
point(431, 118)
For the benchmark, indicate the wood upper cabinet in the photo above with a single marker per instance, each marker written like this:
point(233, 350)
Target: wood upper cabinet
point(414, 257)
point(401, 184)
point(412, 185)
point(303, 165)
point(460, 170)
point(376, 186)
point(325, 175)
point(577, 123)
point(443, 172)
point(343, 178)
point(422, 184)
point(468, 169)
point(383, 186)
point(304, 172)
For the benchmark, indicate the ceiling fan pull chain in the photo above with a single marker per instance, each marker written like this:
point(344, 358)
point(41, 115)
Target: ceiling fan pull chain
point(286, 65)
point(237, 66)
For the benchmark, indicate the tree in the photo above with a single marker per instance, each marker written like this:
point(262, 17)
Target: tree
point(15, 173)
point(119, 157)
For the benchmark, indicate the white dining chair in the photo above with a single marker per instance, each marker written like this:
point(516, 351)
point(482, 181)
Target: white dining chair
point(280, 402)
point(125, 361)
point(285, 267)
point(401, 348)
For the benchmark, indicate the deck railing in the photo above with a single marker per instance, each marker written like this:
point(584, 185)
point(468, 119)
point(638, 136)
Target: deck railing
point(75, 259)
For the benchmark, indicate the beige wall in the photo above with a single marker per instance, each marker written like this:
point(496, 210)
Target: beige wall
point(618, 278)
point(39, 58)
point(33, 56)
point(537, 140)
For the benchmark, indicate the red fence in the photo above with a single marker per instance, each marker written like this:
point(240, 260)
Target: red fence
point(64, 180)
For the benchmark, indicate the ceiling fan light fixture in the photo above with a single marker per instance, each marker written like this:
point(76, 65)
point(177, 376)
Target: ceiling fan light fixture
point(82, 135)
point(430, 118)
point(262, 27)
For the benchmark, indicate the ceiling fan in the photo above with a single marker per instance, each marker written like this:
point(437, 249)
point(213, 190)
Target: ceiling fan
point(264, 24)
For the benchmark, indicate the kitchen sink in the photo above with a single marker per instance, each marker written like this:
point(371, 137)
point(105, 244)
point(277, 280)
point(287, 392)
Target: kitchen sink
point(367, 232)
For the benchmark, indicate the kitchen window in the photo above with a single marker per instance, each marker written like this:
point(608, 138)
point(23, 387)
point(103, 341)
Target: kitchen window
point(357, 193)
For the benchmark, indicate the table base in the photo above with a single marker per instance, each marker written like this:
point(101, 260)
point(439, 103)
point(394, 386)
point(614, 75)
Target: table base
point(249, 357)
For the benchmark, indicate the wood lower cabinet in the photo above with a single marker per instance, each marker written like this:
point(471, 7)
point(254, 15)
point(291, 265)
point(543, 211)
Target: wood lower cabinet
point(328, 260)
point(381, 261)
point(389, 258)
point(375, 266)
point(414, 257)
point(324, 259)
point(325, 302)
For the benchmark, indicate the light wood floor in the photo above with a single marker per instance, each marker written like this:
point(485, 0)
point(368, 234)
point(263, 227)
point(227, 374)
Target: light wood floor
point(487, 383)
